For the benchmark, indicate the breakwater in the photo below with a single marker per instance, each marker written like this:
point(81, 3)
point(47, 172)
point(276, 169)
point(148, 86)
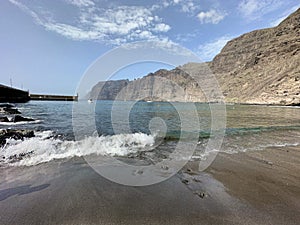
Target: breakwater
point(46, 97)
point(14, 95)
point(9, 94)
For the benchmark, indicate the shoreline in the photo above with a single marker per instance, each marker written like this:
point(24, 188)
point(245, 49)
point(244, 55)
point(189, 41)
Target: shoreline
point(257, 187)
point(225, 103)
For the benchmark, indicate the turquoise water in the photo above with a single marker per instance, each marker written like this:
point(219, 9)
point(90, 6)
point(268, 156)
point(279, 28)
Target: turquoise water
point(247, 127)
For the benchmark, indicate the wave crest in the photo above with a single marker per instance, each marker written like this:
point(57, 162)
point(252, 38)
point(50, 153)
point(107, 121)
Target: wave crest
point(44, 148)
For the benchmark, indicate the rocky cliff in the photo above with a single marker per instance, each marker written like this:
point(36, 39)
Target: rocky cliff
point(261, 67)
point(107, 90)
point(163, 85)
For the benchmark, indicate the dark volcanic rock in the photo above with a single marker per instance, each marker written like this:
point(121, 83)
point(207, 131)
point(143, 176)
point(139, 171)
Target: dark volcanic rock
point(19, 118)
point(15, 134)
point(6, 105)
point(4, 119)
point(9, 110)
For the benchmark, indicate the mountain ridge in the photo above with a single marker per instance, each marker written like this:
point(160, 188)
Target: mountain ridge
point(258, 67)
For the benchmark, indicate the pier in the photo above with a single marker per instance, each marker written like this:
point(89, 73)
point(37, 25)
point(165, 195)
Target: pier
point(10, 94)
point(14, 95)
point(45, 97)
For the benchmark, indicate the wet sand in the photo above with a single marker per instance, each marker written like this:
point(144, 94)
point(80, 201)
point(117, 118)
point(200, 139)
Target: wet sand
point(268, 180)
point(261, 187)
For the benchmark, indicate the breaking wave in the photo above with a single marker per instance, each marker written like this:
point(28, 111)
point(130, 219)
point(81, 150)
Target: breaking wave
point(44, 147)
point(19, 123)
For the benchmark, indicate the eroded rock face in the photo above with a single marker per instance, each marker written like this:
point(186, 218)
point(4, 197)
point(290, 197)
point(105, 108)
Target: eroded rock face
point(260, 67)
point(107, 90)
point(163, 85)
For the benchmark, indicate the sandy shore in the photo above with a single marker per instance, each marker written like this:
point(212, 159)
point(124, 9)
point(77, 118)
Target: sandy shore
point(261, 187)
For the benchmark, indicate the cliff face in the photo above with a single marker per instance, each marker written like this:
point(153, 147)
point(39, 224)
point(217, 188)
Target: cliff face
point(107, 90)
point(261, 67)
point(163, 85)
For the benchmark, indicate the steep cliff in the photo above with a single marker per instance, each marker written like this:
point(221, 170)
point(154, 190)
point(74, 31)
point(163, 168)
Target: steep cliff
point(163, 85)
point(260, 67)
point(107, 90)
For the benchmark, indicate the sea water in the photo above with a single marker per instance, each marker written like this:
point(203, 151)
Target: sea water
point(248, 128)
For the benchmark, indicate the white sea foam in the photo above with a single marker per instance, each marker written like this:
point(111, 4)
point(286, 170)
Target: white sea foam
point(19, 123)
point(43, 148)
point(233, 147)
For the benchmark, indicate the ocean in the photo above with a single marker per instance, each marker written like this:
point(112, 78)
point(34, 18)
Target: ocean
point(143, 133)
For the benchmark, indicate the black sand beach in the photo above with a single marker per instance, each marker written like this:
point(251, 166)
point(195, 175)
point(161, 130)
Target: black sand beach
point(261, 187)
point(159, 85)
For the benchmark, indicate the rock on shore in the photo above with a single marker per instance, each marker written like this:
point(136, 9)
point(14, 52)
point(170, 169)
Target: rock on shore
point(8, 109)
point(14, 134)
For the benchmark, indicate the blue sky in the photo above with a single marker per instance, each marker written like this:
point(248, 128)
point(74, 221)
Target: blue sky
point(46, 46)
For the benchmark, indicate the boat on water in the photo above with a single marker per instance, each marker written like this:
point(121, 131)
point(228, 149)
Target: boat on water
point(90, 100)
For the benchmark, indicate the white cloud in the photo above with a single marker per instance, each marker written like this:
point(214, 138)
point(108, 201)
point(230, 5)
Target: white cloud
point(284, 16)
point(248, 7)
point(165, 45)
point(276, 22)
point(161, 27)
point(209, 50)
point(254, 9)
point(186, 6)
point(189, 7)
point(27, 11)
point(212, 16)
point(187, 37)
point(79, 3)
point(73, 32)
point(116, 25)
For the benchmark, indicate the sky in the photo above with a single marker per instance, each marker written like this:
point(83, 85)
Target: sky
point(47, 46)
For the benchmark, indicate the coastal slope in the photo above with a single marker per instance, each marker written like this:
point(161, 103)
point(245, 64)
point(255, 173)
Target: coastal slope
point(260, 67)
